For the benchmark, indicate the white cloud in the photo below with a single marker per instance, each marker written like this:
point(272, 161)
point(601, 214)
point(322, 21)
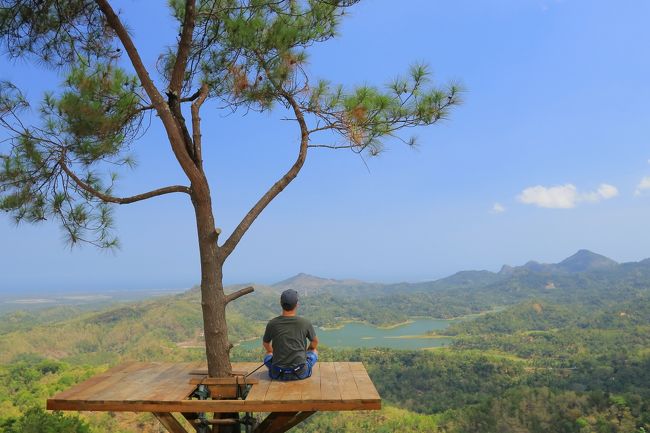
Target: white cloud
point(607, 191)
point(497, 208)
point(558, 197)
point(564, 196)
point(604, 192)
point(643, 185)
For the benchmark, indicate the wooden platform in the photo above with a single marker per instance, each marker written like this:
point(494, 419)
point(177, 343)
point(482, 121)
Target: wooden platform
point(165, 387)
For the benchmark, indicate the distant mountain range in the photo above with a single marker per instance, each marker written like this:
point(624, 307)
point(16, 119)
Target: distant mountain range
point(582, 261)
point(310, 284)
point(584, 280)
point(584, 283)
point(585, 276)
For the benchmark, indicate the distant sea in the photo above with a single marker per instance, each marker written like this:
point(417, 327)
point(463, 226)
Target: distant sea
point(15, 301)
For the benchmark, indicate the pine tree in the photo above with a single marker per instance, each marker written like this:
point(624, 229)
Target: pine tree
point(248, 54)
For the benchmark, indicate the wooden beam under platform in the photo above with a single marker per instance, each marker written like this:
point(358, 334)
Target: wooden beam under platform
point(169, 422)
point(280, 422)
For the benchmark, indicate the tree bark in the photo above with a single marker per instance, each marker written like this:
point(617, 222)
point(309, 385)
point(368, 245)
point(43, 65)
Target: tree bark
point(213, 299)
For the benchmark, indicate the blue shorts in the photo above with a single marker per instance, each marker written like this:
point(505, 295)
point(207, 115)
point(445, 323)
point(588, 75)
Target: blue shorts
point(278, 373)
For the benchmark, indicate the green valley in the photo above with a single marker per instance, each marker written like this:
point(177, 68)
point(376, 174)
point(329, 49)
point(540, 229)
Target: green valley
point(571, 356)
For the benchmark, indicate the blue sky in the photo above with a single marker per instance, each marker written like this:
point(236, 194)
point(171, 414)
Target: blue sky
point(547, 155)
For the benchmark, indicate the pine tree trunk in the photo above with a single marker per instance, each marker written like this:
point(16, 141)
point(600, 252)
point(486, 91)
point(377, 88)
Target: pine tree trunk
point(213, 299)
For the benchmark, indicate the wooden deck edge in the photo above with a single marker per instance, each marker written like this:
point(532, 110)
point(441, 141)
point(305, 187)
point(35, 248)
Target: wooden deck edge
point(195, 406)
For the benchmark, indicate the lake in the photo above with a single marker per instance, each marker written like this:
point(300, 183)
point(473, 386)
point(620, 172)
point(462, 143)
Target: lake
point(351, 335)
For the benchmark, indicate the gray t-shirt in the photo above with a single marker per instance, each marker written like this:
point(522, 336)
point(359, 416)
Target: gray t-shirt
point(288, 335)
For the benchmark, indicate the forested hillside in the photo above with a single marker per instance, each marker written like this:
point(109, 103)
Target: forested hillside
point(574, 357)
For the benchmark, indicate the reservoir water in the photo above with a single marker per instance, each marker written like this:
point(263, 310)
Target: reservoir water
point(408, 336)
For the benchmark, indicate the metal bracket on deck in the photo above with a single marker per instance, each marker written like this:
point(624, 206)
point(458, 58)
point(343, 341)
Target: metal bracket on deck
point(249, 422)
point(202, 423)
point(202, 392)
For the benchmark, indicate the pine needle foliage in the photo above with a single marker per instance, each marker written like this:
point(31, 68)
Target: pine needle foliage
point(249, 54)
point(60, 158)
point(86, 126)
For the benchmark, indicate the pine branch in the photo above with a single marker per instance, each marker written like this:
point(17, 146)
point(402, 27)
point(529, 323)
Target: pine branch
point(114, 22)
point(190, 98)
point(184, 46)
point(174, 132)
point(175, 107)
point(196, 124)
point(239, 293)
point(334, 146)
point(119, 200)
point(282, 183)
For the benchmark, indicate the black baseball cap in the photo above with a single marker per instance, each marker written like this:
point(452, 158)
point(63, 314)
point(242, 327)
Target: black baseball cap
point(289, 299)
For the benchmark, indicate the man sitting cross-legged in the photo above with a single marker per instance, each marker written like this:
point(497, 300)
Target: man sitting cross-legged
point(288, 357)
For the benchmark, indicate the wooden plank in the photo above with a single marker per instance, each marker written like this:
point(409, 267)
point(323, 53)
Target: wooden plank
point(91, 381)
point(313, 406)
point(284, 391)
point(367, 389)
point(290, 390)
point(238, 368)
point(204, 372)
point(129, 385)
point(111, 381)
point(234, 380)
point(311, 386)
point(258, 392)
point(329, 384)
point(181, 382)
point(357, 366)
point(216, 406)
point(170, 384)
point(169, 422)
point(138, 380)
point(347, 385)
point(164, 387)
point(274, 393)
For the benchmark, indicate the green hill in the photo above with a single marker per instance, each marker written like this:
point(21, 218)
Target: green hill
point(572, 356)
point(171, 326)
point(585, 277)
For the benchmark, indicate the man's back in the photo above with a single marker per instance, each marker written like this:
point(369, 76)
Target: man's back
point(289, 335)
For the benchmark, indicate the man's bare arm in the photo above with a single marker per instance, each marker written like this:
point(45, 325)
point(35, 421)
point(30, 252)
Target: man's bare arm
point(267, 347)
point(313, 345)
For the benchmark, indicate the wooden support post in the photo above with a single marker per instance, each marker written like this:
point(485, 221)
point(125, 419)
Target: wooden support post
point(274, 421)
point(191, 417)
point(300, 417)
point(280, 422)
point(169, 422)
point(223, 423)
